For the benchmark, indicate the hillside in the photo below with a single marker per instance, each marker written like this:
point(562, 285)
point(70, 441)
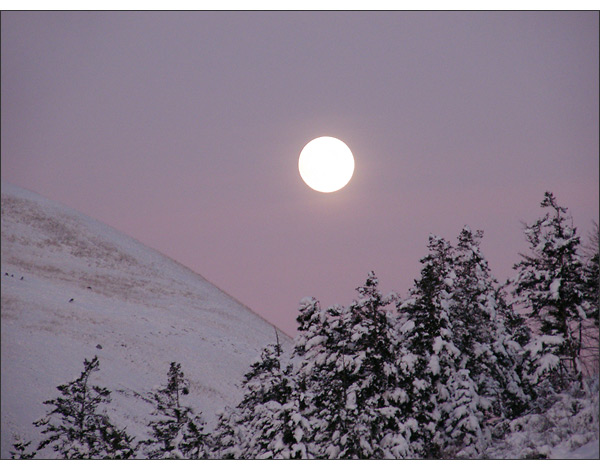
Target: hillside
point(73, 288)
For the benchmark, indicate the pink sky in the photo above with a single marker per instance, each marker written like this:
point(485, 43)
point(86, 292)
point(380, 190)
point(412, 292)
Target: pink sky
point(183, 130)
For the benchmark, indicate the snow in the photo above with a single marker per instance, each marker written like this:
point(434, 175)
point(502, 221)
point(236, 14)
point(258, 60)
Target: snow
point(581, 312)
point(547, 362)
point(434, 364)
point(351, 400)
point(316, 340)
point(408, 361)
point(141, 308)
point(538, 343)
point(419, 384)
point(567, 430)
point(587, 451)
point(554, 288)
point(408, 326)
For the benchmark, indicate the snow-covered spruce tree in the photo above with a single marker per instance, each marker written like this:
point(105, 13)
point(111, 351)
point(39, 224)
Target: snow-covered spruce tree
point(349, 380)
point(478, 316)
point(311, 322)
point(195, 442)
point(264, 425)
point(518, 336)
point(516, 388)
point(278, 430)
point(176, 432)
point(428, 357)
point(463, 421)
point(591, 276)
point(76, 429)
point(287, 428)
point(374, 385)
point(226, 438)
point(515, 323)
point(322, 384)
point(312, 345)
point(473, 310)
point(549, 285)
point(21, 450)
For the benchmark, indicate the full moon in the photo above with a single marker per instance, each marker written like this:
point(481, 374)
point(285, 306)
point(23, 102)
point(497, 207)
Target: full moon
point(326, 164)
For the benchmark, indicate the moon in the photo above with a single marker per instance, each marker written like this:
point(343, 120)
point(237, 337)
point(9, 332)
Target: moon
point(326, 164)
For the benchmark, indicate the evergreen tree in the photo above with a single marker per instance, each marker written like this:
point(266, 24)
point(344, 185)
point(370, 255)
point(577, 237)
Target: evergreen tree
point(266, 423)
point(478, 316)
point(177, 432)
point(309, 320)
point(591, 277)
point(195, 443)
point(277, 428)
point(373, 378)
point(227, 436)
point(549, 284)
point(518, 336)
point(428, 358)
point(474, 314)
point(464, 418)
point(515, 323)
point(268, 390)
point(513, 392)
point(311, 348)
point(21, 451)
point(76, 429)
point(323, 383)
point(349, 379)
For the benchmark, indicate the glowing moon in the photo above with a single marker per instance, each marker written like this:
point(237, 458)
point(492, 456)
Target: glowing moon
point(326, 164)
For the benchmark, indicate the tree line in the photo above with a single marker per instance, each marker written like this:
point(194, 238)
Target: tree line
point(430, 375)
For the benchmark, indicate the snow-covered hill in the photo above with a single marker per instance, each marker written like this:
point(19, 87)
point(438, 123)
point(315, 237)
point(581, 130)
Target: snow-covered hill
point(73, 288)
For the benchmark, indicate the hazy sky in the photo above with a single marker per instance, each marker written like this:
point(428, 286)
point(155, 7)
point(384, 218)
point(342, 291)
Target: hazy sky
point(183, 130)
